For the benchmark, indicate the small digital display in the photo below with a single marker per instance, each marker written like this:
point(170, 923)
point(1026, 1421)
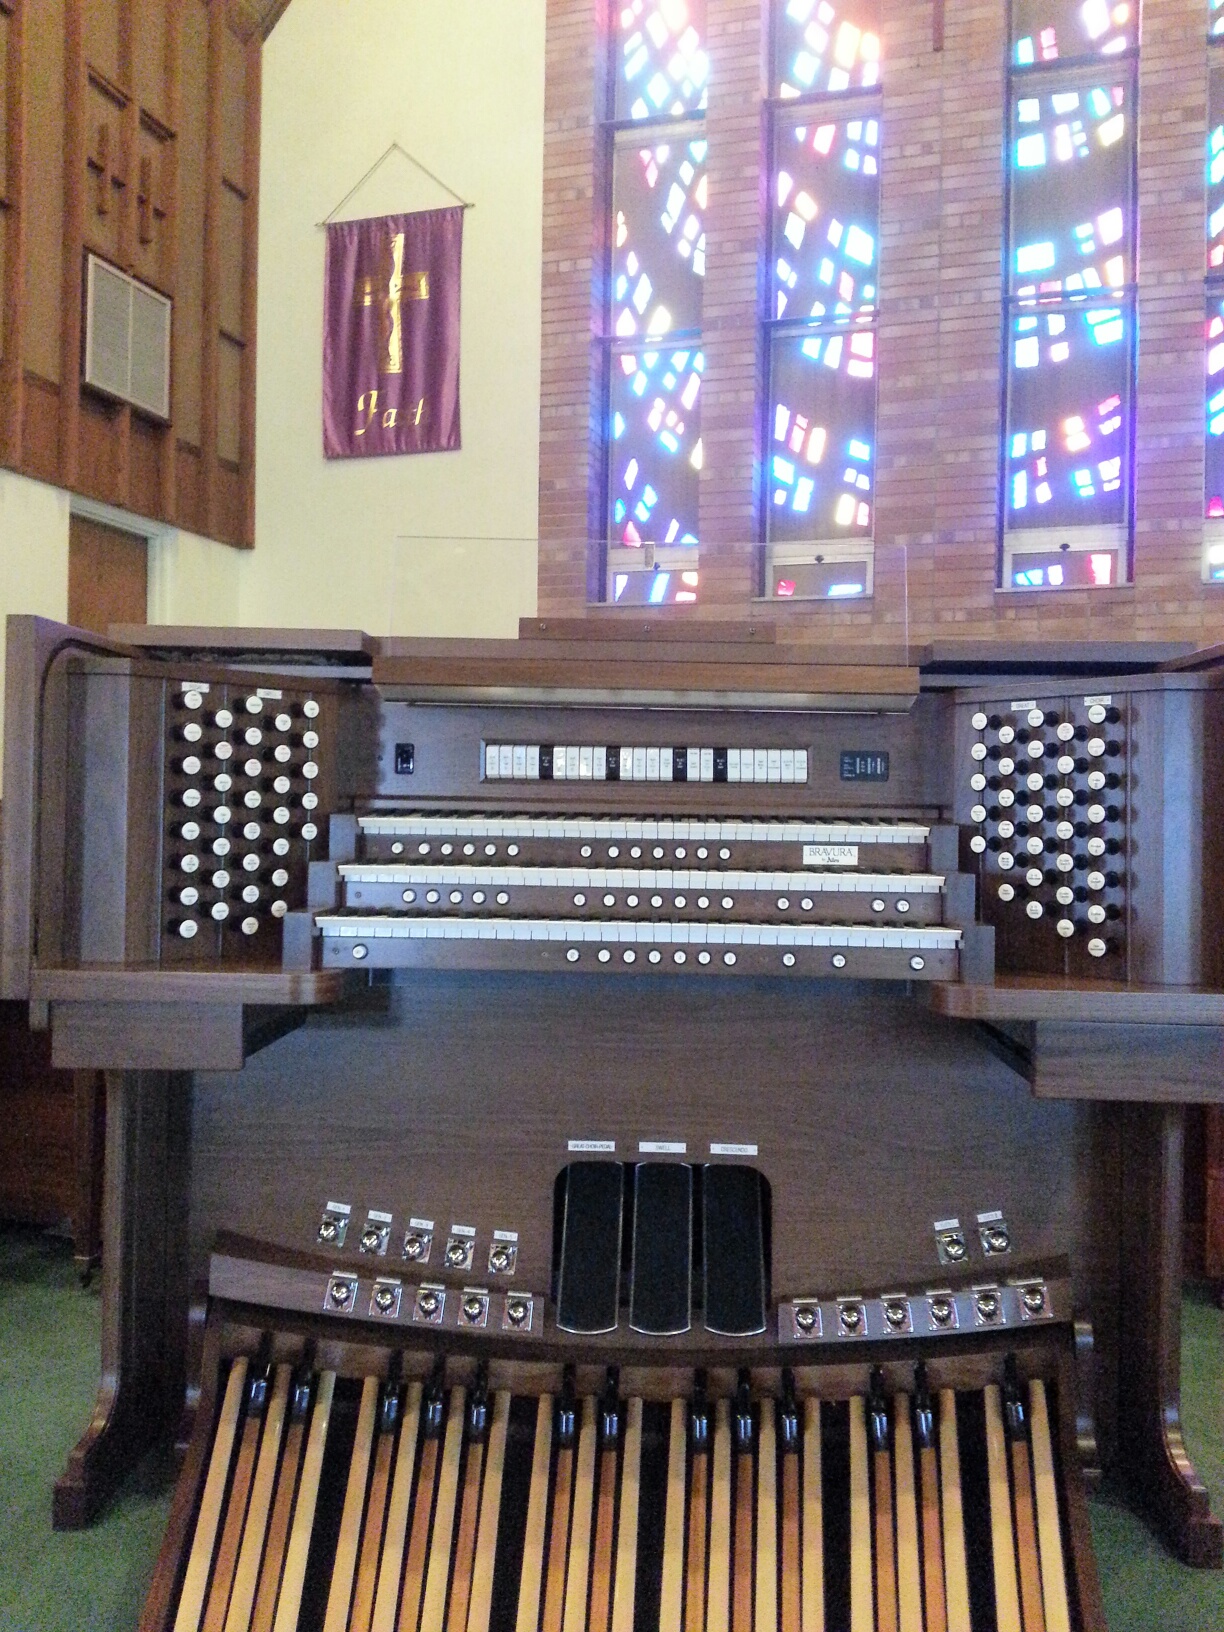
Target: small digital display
point(863, 765)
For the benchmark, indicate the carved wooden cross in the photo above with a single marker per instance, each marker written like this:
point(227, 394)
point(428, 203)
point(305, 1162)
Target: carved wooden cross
point(148, 210)
point(99, 162)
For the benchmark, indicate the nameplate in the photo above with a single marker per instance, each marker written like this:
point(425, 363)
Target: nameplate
point(592, 1147)
point(830, 855)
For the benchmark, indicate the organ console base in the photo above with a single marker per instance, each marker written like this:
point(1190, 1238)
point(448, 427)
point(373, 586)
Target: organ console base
point(897, 972)
point(338, 1479)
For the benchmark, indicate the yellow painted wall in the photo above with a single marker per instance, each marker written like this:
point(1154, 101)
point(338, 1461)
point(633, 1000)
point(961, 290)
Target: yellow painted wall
point(33, 556)
point(433, 543)
point(191, 579)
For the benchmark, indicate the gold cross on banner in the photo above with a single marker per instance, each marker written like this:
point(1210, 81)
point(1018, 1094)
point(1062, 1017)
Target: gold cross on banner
point(398, 289)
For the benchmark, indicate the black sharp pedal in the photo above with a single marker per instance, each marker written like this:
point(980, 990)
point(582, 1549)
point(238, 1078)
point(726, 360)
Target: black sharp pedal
point(735, 1277)
point(588, 1285)
point(661, 1273)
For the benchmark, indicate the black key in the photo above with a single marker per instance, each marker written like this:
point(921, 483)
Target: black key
point(512, 1522)
point(661, 1272)
point(835, 1500)
point(588, 1283)
point(975, 1501)
point(333, 1484)
point(652, 1504)
point(735, 1276)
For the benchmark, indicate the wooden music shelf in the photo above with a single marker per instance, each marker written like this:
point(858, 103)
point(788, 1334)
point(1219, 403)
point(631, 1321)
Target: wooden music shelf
point(1045, 997)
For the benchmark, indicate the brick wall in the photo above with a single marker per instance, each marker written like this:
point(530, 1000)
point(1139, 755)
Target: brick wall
point(940, 391)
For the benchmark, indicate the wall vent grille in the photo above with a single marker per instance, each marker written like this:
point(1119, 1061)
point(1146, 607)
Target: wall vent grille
point(127, 339)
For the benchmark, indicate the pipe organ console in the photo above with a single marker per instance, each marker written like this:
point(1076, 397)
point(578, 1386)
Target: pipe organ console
point(644, 1126)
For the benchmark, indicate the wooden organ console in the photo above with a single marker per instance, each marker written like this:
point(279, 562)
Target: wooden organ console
point(644, 1126)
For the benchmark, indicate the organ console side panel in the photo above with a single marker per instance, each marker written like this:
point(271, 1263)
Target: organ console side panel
point(630, 1013)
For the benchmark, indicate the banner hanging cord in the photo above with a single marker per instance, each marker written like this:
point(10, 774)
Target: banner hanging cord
point(378, 162)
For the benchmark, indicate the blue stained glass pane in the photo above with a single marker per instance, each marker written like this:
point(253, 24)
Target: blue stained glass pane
point(658, 253)
point(661, 64)
point(825, 45)
point(1068, 420)
point(825, 219)
point(1215, 163)
point(1072, 225)
point(1045, 31)
point(822, 465)
point(655, 464)
point(1071, 569)
point(1214, 497)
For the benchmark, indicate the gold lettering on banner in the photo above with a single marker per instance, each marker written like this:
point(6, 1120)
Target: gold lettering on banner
point(390, 418)
point(367, 404)
point(388, 290)
point(419, 412)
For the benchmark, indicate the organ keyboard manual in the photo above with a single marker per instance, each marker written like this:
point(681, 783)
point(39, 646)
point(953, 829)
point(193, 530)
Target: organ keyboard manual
point(648, 1125)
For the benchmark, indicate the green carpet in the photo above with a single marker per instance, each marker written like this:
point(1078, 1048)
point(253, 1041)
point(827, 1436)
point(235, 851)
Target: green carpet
point(95, 1580)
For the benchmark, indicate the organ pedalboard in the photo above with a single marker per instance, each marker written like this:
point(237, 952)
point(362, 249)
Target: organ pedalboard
point(652, 1119)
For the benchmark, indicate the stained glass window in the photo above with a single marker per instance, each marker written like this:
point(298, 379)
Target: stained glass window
point(1068, 440)
point(825, 45)
point(1216, 9)
point(658, 256)
point(819, 474)
point(1215, 166)
point(1070, 290)
point(661, 65)
point(656, 446)
point(653, 352)
point(826, 210)
point(1070, 189)
point(1215, 403)
point(1045, 31)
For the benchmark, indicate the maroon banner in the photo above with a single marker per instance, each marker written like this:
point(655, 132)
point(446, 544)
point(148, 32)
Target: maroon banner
point(391, 334)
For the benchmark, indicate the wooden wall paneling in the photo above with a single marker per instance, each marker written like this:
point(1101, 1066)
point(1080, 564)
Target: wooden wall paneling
point(102, 28)
point(105, 118)
point(152, 47)
point(169, 182)
point(250, 271)
point(190, 198)
point(12, 231)
point(210, 332)
point(146, 466)
point(72, 234)
point(43, 77)
point(7, 29)
point(135, 124)
point(107, 575)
